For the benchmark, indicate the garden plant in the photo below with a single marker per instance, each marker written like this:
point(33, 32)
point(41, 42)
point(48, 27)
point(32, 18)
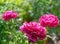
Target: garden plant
point(29, 21)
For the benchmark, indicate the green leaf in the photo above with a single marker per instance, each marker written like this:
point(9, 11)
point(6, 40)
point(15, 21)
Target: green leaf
point(40, 42)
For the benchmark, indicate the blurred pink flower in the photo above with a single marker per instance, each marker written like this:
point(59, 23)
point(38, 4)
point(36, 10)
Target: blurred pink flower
point(33, 31)
point(9, 15)
point(49, 20)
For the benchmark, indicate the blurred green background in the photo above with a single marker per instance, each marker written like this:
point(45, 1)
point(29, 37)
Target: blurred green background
point(28, 10)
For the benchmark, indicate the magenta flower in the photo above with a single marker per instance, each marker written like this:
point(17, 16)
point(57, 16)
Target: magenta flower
point(33, 31)
point(49, 20)
point(9, 15)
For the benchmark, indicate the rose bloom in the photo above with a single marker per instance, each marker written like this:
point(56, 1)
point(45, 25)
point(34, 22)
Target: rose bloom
point(9, 15)
point(49, 20)
point(33, 31)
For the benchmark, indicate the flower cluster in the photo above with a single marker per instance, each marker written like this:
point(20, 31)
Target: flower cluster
point(33, 31)
point(9, 15)
point(49, 20)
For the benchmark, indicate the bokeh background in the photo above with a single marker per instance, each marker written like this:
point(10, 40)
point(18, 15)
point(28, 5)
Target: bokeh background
point(28, 10)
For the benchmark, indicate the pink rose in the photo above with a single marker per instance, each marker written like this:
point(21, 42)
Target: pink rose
point(9, 15)
point(33, 31)
point(49, 20)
